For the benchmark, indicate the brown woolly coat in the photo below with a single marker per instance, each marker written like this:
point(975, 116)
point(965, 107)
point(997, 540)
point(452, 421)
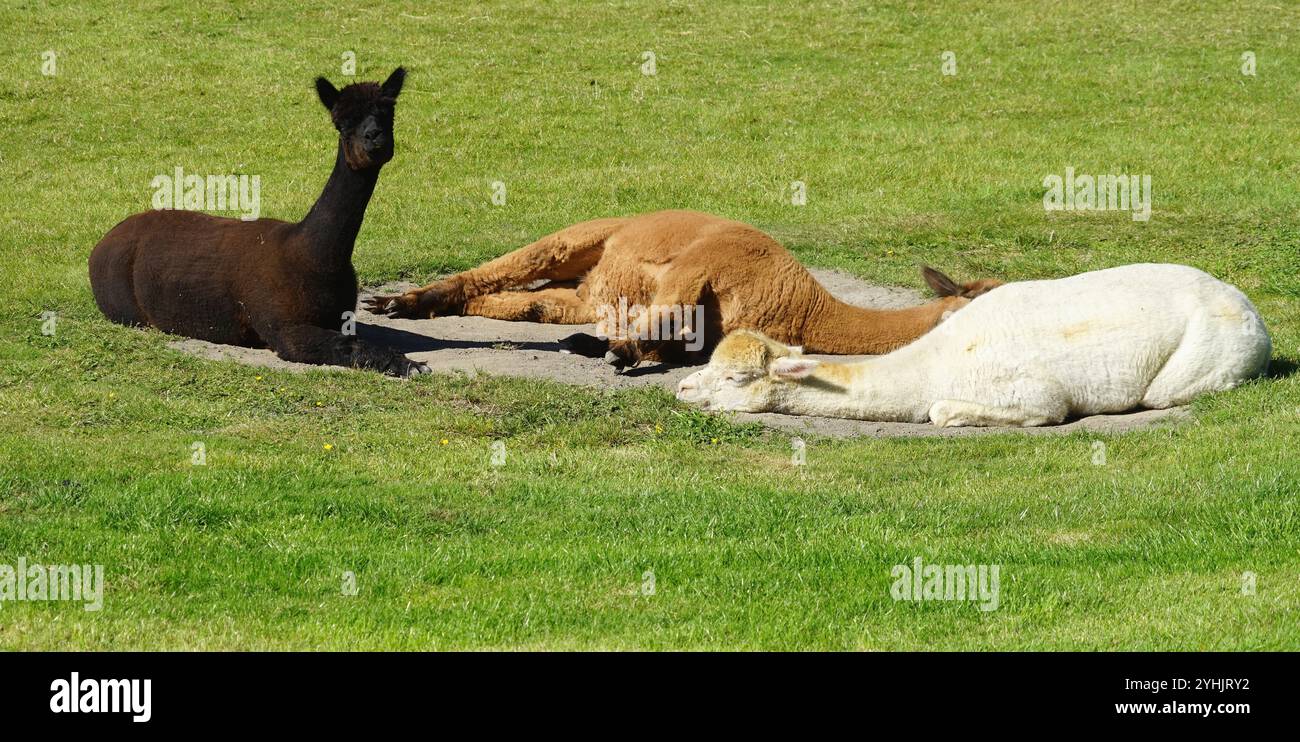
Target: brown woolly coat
point(742, 277)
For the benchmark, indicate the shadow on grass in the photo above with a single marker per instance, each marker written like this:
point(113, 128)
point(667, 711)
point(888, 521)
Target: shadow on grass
point(1281, 367)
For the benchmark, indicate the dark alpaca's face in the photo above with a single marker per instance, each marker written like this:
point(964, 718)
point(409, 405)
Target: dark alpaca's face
point(363, 114)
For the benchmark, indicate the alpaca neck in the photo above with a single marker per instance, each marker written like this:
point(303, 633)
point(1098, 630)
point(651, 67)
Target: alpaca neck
point(839, 328)
point(892, 388)
point(334, 220)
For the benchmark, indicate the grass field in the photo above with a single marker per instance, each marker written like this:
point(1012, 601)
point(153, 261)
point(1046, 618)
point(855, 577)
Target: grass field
point(311, 476)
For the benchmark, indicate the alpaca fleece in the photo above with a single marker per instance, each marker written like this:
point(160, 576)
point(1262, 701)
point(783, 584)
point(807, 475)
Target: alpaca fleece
point(1030, 353)
point(742, 278)
point(262, 283)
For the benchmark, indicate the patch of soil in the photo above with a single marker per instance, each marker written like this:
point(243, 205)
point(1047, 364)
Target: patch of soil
point(476, 345)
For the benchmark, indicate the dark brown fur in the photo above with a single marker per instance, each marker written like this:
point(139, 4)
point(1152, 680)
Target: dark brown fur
point(262, 283)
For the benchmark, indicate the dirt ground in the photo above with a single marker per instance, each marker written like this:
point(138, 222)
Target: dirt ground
point(476, 345)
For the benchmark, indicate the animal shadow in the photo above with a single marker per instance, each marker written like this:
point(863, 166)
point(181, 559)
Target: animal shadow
point(1281, 367)
point(405, 342)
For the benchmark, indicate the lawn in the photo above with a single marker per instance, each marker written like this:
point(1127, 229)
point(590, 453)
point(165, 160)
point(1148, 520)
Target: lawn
point(623, 520)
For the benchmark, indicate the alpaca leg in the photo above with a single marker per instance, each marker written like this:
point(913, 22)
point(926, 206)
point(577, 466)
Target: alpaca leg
point(956, 413)
point(1216, 353)
point(324, 347)
point(112, 264)
point(546, 305)
point(565, 255)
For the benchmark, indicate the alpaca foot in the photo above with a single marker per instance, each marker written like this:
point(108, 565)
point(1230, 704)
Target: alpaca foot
point(404, 368)
point(440, 298)
point(623, 355)
point(405, 306)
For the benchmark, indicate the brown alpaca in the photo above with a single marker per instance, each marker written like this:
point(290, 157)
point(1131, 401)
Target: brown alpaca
point(741, 277)
point(263, 283)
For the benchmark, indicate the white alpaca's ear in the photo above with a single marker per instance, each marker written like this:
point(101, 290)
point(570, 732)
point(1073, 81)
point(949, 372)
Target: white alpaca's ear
point(794, 368)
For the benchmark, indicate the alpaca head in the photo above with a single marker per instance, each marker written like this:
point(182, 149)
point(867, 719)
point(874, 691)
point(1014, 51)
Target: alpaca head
point(745, 374)
point(363, 114)
point(945, 286)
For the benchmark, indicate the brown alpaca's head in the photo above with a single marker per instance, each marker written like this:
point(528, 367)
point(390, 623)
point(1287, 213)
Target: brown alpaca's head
point(363, 114)
point(945, 286)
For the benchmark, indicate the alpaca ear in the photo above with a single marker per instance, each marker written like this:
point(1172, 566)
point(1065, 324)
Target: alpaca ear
point(792, 368)
point(393, 85)
point(942, 285)
point(329, 95)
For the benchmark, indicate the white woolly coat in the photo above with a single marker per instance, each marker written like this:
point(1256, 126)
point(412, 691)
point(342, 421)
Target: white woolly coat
point(1147, 335)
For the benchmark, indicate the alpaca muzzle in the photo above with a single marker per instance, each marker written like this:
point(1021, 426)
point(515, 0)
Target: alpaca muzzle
point(688, 390)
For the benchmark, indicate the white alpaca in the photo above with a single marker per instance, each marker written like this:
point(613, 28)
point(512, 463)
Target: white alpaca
point(1030, 353)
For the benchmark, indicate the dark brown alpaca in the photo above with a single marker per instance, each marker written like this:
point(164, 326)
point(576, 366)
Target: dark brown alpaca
point(263, 283)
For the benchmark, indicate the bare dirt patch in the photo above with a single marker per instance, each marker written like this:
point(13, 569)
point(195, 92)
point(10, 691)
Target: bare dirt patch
point(475, 345)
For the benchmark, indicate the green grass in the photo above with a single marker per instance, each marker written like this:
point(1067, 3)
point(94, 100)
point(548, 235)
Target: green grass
point(904, 166)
